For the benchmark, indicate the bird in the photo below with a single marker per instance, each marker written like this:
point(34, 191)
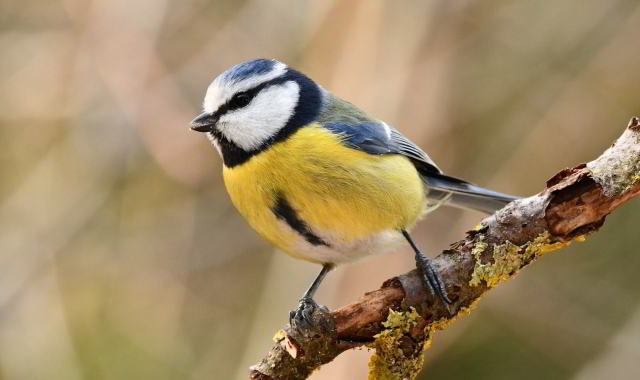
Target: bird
point(319, 178)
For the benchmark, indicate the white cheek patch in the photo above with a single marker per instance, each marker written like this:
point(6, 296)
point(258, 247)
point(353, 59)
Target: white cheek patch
point(220, 91)
point(249, 127)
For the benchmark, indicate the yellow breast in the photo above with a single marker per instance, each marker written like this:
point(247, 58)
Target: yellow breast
point(337, 191)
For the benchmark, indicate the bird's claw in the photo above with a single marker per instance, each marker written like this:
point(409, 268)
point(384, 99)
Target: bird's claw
point(307, 318)
point(433, 281)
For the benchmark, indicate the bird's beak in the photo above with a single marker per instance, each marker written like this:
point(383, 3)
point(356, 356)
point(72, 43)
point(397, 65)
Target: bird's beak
point(205, 122)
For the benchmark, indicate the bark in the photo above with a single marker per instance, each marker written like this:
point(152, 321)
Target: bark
point(574, 204)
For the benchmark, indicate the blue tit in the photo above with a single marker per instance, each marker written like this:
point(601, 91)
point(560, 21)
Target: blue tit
point(319, 178)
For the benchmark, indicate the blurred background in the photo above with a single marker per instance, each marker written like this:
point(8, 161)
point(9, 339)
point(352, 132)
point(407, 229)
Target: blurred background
point(121, 256)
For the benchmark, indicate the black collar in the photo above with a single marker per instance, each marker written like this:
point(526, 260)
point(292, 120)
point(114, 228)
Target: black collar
point(306, 111)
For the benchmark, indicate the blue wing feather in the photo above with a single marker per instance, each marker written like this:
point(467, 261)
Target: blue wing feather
point(368, 137)
point(377, 138)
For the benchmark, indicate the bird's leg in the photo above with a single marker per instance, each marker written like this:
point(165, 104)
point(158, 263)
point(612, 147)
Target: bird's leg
point(429, 275)
point(301, 319)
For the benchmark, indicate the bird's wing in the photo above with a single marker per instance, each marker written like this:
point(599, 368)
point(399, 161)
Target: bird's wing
point(378, 138)
point(359, 131)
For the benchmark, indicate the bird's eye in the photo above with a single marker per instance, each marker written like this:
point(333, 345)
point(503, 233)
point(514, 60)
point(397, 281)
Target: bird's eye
point(240, 100)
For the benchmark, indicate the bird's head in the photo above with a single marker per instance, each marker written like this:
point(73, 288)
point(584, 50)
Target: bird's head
point(255, 104)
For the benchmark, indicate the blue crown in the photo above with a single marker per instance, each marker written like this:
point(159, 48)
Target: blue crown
point(248, 69)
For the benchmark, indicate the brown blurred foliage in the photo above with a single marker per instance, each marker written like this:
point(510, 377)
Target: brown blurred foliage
point(122, 258)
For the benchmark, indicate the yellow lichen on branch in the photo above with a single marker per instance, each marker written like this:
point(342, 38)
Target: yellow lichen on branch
point(397, 354)
point(394, 358)
point(508, 258)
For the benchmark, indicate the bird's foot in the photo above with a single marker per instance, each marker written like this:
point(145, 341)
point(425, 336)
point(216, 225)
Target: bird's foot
point(432, 280)
point(309, 318)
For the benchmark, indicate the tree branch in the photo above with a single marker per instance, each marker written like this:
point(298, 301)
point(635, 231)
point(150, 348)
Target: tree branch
point(573, 205)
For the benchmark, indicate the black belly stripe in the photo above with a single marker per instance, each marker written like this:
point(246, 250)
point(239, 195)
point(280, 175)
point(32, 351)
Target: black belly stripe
point(284, 211)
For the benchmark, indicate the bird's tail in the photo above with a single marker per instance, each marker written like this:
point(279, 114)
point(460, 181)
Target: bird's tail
point(451, 191)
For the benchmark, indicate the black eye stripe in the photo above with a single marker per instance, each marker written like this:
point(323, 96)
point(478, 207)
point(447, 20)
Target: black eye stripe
point(239, 100)
point(251, 93)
